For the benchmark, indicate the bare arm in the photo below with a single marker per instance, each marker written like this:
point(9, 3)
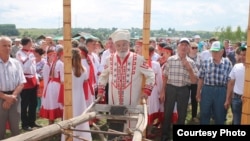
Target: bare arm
point(18, 90)
point(198, 93)
point(193, 77)
point(230, 86)
point(12, 98)
point(164, 83)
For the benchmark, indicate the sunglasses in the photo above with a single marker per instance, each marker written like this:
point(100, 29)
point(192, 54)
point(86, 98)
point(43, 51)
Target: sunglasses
point(194, 47)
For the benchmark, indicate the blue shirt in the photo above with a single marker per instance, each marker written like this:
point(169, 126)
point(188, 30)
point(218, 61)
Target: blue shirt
point(215, 74)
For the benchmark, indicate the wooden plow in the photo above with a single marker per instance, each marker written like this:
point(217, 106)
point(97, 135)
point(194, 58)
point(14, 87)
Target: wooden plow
point(98, 111)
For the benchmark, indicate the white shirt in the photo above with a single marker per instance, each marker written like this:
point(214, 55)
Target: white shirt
point(11, 75)
point(238, 74)
point(28, 63)
point(205, 55)
point(104, 57)
point(155, 57)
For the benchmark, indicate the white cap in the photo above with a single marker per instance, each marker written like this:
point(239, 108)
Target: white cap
point(184, 40)
point(120, 34)
point(216, 46)
point(197, 37)
point(17, 40)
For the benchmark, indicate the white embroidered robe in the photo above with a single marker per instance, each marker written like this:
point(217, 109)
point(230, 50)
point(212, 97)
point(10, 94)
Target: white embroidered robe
point(125, 79)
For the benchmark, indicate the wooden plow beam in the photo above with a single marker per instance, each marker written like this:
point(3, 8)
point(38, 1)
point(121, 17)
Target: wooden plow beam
point(93, 111)
point(56, 128)
point(141, 117)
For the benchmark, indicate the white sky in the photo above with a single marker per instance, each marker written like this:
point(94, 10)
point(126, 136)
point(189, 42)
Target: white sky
point(178, 14)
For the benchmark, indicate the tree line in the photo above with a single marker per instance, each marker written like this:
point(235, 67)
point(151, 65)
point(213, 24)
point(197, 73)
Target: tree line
point(8, 29)
point(103, 33)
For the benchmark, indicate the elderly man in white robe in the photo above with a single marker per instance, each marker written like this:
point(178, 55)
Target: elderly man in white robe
point(124, 71)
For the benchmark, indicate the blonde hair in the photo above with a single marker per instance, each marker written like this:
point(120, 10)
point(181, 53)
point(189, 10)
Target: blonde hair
point(193, 44)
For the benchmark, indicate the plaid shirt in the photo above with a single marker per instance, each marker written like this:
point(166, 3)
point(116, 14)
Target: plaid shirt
point(176, 73)
point(215, 74)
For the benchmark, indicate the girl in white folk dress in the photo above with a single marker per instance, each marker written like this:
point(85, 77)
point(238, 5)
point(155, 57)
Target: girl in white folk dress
point(51, 108)
point(154, 105)
point(88, 86)
point(79, 76)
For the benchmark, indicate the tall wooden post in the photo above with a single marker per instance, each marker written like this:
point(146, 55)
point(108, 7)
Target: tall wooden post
point(245, 118)
point(146, 36)
point(67, 61)
point(146, 29)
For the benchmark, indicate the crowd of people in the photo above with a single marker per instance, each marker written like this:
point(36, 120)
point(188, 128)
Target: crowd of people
point(210, 76)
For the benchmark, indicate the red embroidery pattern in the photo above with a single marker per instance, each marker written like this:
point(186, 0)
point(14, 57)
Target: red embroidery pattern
point(121, 97)
point(121, 75)
point(134, 64)
point(145, 65)
point(111, 60)
point(121, 81)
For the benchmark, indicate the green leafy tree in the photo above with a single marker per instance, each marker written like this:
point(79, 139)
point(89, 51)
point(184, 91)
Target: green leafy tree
point(238, 34)
point(8, 30)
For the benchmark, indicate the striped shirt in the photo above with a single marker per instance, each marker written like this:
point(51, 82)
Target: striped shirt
point(215, 74)
point(11, 75)
point(176, 73)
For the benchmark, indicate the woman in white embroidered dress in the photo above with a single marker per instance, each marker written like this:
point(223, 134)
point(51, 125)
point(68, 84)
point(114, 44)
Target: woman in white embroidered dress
point(51, 108)
point(79, 76)
point(89, 84)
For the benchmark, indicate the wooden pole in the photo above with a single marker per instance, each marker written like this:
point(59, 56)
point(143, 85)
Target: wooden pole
point(146, 37)
point(146, 29)
point(67, 61)
point(245, 117)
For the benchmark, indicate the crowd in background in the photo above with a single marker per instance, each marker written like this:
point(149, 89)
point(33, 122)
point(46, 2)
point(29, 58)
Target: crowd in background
point(209, 74)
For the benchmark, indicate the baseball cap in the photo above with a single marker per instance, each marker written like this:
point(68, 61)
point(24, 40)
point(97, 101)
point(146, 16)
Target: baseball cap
point(243, 48)
point(197, 37)
point(186, 40)
point(216, 46)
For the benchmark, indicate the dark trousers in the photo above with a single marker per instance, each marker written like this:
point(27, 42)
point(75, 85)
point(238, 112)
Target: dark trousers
point(107, 93)
point(28, 106)
point(181, 96)
point(194, 103)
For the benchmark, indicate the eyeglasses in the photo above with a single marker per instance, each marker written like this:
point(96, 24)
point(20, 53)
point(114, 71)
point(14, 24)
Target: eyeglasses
point(194, 48)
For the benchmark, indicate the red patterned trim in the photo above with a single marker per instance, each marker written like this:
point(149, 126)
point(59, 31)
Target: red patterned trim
point(145, 65)
point(125, 59)
point(147, 91)
point(101, 89)
point(51, 114)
